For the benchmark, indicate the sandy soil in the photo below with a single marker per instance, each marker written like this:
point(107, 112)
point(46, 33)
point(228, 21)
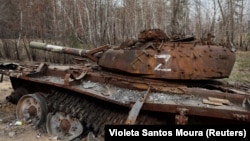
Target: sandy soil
point(8, 130)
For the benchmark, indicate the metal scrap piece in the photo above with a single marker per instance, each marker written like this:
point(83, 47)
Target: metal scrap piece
point(134, 112)
point(246, 103)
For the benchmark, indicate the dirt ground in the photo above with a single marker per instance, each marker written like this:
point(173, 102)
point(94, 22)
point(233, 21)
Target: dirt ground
point(8, 130)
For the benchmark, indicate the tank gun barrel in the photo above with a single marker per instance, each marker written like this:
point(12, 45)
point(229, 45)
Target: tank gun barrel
point(68, 50)
point(59, 49)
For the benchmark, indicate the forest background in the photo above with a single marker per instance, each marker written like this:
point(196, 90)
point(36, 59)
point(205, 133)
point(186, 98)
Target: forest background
point(92, 23)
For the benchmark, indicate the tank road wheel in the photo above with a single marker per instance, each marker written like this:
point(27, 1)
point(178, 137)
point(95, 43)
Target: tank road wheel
point(32, 109)
point(63, 126)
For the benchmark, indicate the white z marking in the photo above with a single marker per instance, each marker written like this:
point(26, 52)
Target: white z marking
point(166, 57)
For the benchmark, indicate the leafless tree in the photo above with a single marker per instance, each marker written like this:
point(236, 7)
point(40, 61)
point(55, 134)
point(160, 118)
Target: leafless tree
point(91, 23)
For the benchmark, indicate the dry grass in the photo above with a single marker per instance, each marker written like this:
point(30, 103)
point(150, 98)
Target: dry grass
point(241, 70)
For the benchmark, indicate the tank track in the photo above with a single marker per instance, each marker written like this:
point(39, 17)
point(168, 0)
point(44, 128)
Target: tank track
point(93, 114)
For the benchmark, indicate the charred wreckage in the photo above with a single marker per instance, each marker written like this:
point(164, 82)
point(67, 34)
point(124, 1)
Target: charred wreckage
point(151, 80)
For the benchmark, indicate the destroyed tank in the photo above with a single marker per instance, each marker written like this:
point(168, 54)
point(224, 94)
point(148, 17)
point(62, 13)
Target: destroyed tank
point(153, 80)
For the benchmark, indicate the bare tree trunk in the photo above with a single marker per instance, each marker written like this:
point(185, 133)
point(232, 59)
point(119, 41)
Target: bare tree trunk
point(95, 23)
point(198, 20)
point(214, 17)
point(16, 49)
point(20, 33)
point(123, 24)
point(107, 23)
point(69, 20)
point(174, 21)
point(6, 49)
point(26, 49)
point(153, 11)
point(89, 23)
point(224, 21)
point(54, 19)
point(231, 21)
point(142, 15)
point(241, 24)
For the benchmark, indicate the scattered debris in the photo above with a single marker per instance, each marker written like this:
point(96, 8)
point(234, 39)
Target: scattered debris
point(12, 134)
point(38, 135)
point(18, 123)
point(246, 103)
point(152, 35)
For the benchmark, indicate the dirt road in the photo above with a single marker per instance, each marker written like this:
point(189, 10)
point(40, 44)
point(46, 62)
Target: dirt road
point(8, 130)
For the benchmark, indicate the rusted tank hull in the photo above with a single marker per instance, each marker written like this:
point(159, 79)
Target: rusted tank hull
point(84, 99)
point(191, 102)
point(174, 61)
point(166, 96)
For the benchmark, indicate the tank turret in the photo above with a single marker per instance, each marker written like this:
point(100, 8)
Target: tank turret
point(160, 58)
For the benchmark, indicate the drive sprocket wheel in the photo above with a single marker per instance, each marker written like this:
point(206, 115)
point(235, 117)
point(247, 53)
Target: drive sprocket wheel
point(32, 109)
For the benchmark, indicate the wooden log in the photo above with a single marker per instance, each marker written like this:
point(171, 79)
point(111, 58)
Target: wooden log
point(219, 100)
point(211, 102)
